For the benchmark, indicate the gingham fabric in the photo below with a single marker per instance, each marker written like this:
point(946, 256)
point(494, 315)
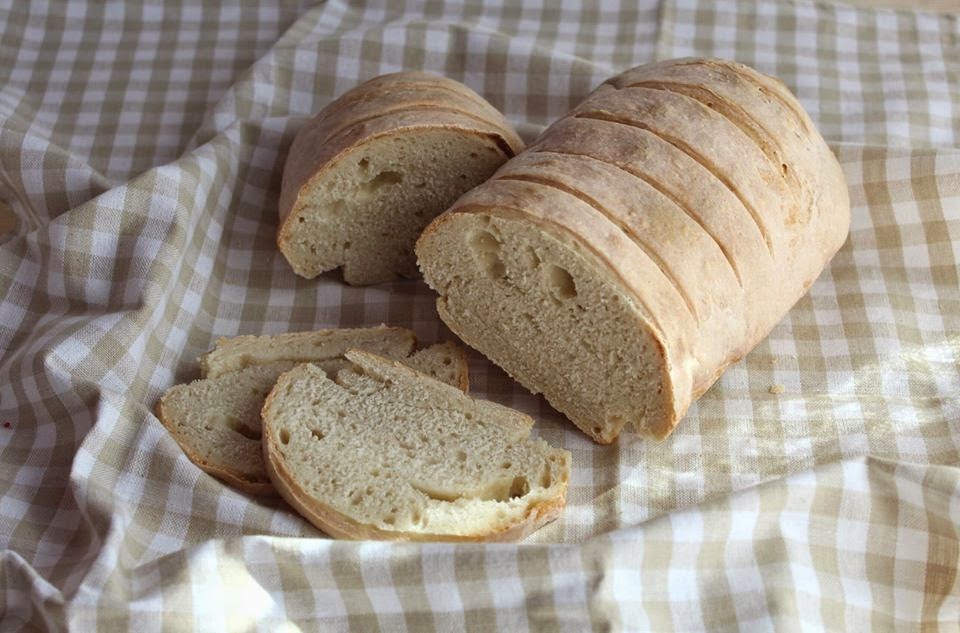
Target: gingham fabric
point(815, 487)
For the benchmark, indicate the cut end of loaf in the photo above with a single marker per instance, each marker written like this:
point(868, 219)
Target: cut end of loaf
point(364, 210)
point(541, 306)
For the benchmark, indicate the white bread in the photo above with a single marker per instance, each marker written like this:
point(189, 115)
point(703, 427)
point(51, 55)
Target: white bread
point(644, 242)
point(366, 174)
point(216, 421)
point(383, 452)
point(238, 352)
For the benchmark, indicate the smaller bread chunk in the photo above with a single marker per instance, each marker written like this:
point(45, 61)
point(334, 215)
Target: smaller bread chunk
point(216, 421)
point(231, 354)
point(384, 452)
point(366, 175)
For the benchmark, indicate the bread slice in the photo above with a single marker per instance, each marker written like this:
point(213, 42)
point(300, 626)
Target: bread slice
point(217, 423)
point(238, 352)
point(642, 243)
point(383, 452)
point(366, 175)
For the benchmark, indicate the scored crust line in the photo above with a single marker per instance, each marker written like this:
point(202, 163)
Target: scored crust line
point(346, 127)
point(759, 85)
point(696, 156)
point(733, 113)
point(397, 85)
point(667, 194)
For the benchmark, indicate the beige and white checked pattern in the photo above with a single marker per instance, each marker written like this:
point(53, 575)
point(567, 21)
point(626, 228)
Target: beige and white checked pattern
point(140, 149)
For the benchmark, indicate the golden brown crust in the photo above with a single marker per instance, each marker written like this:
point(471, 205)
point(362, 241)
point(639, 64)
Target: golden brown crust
point(421, 98)
point(384, 86)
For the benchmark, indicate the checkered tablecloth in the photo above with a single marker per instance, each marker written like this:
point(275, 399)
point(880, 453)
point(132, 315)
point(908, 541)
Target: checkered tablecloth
point(815, 487)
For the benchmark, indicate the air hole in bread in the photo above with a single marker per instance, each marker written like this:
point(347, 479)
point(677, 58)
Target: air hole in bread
point(384, 178)
point(519, 487)
point(486, 247)
point(462, 456)
point(237, 426)
point(561, 283)
point(317, 434)
point(546, 478)
point(530, 259)
point(364, 163)
point(506, 465)
point(447, 361)
point(284, 436)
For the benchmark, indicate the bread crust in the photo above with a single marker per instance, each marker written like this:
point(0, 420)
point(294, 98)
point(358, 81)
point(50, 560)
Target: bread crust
point(394, 83)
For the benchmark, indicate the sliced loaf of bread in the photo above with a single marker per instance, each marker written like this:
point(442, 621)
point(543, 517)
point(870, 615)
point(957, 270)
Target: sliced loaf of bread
point(366, 174)
point(216, 420)
point(384, 452)
point(645, 241)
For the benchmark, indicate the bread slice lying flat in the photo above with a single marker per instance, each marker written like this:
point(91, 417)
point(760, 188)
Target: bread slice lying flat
point(238, 352)
point(216, 421)
point(366, 175)
point(645, 241)
point(384, 452)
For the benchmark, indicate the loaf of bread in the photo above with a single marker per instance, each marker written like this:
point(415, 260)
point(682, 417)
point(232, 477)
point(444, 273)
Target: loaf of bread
point(216, 419)
point(384, 452)
point(366, 174)
point(644, 242)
